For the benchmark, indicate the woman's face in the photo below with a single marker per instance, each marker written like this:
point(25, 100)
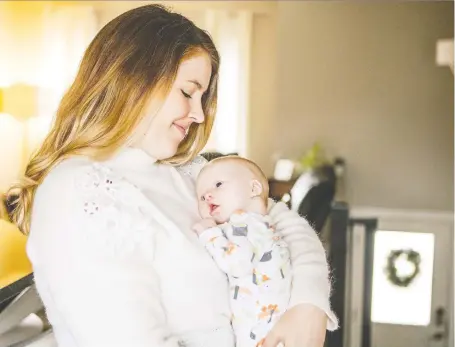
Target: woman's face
point(160, 133)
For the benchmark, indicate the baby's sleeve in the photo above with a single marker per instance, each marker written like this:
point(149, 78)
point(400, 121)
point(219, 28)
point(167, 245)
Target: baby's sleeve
point(232, 254)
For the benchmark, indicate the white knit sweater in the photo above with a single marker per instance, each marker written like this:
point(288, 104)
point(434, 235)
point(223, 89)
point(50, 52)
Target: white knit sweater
point(117, 264)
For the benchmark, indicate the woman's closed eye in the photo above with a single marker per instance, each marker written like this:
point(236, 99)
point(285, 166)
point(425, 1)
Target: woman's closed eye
point(186, 95)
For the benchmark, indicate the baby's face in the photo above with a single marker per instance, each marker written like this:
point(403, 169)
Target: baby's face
point(223, 188)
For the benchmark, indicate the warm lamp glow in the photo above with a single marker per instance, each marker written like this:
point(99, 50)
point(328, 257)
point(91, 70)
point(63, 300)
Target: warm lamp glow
point(42, 44)
point(21, 29)
point(18, 106)
point(11, 149)
point(19, 100)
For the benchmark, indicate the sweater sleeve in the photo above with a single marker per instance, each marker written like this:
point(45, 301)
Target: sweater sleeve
point(92, 254)
point(311, 283)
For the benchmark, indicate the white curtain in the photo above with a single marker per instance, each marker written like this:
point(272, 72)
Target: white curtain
point(41, 44)
point(67, 33)
point(21, 26)
point(231, 31)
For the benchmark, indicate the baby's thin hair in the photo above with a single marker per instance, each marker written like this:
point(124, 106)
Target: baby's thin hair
point(250, 165)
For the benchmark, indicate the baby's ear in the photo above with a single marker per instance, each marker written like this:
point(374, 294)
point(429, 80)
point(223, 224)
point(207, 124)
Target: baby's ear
point(256, 188)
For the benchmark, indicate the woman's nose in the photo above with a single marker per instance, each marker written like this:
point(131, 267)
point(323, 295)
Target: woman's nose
point(197, 114)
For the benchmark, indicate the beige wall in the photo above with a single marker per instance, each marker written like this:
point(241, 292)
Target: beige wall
point(362, 79)
point(263, 91)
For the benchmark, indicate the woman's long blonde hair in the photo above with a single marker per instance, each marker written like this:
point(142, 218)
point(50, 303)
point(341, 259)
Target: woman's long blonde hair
point(134, 59)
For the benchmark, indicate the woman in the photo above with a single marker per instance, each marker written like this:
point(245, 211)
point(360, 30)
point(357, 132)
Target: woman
point(109, 200)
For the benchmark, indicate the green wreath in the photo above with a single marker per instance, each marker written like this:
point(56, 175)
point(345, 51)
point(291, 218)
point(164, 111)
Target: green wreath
point(391, 269)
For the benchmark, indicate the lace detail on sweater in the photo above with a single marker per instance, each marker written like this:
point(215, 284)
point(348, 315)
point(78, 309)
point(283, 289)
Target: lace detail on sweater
point(113, 212)
point(192, 169)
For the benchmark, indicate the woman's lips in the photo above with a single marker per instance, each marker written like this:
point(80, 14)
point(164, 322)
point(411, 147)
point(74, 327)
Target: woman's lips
point(181, 129)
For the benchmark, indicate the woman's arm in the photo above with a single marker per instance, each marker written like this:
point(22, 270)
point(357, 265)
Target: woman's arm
point(311, 282)
point(98, 285)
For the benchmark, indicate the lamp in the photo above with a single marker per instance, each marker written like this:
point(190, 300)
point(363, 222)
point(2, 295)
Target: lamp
point(11, 149)
point(19, 100)
point(18, 104)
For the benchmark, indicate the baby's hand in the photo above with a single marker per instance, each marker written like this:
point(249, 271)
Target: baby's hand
point(203, 225)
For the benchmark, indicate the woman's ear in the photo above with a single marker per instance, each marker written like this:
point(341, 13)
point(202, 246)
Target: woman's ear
point(256, 188)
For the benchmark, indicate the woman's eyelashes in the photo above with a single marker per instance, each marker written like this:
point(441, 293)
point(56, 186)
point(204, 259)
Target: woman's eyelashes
point(186, 95)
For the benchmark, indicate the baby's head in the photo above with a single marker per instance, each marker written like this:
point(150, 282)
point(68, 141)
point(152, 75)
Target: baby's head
point(228, 184)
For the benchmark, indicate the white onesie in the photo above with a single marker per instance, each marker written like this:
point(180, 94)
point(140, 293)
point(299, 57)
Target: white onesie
point(257, 262)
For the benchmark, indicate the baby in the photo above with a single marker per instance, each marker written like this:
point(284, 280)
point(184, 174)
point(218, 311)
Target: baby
point(236, 231)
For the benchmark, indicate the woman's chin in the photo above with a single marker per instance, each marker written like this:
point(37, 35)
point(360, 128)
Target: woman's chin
point(166, 152)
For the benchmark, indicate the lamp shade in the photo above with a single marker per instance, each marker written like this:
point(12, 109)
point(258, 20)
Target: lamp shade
point(11, 149)
point(19, 100)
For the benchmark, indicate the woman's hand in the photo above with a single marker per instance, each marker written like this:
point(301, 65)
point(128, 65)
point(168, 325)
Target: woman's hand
point(303, 325)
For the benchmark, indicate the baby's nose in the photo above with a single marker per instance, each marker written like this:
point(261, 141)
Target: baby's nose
point(208, 196)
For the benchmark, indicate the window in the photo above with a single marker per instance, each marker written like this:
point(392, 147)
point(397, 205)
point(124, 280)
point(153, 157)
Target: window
point(231, 32)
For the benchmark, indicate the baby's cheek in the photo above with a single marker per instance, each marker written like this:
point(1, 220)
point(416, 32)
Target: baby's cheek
point(203, 212)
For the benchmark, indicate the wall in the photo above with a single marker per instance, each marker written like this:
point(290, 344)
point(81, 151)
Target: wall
point(263, 91)
point(362, 79)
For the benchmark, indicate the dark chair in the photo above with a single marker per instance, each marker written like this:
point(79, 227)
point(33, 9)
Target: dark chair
point(316, 204)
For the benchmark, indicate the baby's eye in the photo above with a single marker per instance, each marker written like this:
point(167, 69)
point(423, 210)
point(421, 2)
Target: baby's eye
point(218, 184)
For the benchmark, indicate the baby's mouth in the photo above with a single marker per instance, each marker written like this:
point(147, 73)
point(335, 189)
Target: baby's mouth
point(213, 208)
